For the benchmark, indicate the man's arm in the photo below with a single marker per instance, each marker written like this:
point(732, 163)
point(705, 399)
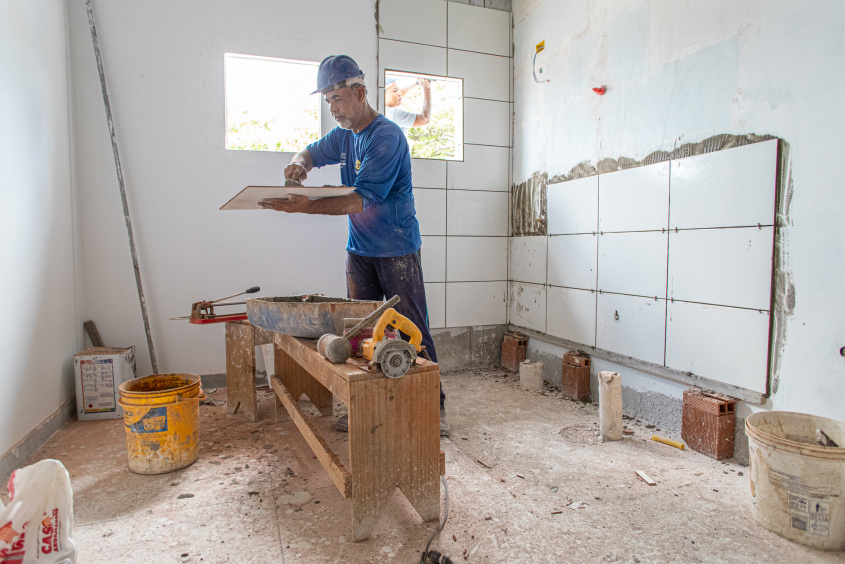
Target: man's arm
point(424, 117)
point(299, 166)
point(341, 205)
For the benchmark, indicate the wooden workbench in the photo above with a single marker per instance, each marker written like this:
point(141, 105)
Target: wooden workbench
point(394, 428)
point(241, 339)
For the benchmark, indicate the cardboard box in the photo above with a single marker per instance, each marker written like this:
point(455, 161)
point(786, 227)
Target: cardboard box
point(99, 372)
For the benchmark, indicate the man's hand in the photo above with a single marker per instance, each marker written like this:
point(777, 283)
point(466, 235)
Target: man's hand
point(296, 171)
point(292, 204)
point(425, 83)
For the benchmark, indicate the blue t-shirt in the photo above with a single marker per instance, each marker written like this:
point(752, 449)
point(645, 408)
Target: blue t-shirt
point(377, 163)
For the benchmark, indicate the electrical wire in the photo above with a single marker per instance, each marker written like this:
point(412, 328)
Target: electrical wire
point(424, 556)
point(534, 69)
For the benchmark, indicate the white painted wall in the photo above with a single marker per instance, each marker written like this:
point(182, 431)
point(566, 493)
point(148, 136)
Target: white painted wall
point(164, 69)
point(42, 329)
point(680, 72)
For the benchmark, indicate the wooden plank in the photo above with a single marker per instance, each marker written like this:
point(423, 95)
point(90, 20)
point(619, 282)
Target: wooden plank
point(321, 371)
point(330, 461)
point(93, 334)
point(240, 370)
point(305, 353)
point(394, 440)
point(298, 381)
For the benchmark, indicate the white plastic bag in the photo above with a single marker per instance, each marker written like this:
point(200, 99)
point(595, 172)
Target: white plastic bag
point(36, 526)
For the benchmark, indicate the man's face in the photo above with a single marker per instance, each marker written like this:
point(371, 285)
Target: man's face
point(344, 106)
point(393, 96)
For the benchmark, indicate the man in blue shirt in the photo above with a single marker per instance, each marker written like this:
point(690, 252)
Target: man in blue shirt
point(383, 251)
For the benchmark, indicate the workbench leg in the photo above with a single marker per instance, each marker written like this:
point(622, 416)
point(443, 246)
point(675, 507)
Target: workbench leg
point(298, 381)
point(240, 370)
point(394, 440)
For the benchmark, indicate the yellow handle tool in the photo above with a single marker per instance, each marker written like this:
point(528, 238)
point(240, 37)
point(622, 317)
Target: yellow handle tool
point(393, 318)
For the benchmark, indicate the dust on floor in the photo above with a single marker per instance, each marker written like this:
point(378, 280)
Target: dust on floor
point(528, 478)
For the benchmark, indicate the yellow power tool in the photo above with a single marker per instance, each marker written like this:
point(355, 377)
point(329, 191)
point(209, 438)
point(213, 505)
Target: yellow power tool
point(393, 356)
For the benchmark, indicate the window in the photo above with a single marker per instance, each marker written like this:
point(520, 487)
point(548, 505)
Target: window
point(442, 137)
point(268, 105)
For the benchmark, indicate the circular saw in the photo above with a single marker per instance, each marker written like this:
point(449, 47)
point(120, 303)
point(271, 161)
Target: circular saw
point(394, 357)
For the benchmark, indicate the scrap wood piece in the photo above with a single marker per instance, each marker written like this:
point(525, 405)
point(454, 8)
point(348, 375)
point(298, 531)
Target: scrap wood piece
point(645, 478)
point(483, 464)
point(93, 334)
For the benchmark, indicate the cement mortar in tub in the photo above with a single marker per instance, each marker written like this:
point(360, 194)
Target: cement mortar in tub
point(797, 485)
point(306, 316)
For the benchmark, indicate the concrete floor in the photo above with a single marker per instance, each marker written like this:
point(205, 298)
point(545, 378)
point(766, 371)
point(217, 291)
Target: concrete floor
point(514, 462)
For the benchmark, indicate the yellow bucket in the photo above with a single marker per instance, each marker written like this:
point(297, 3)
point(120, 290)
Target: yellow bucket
point(161, 417)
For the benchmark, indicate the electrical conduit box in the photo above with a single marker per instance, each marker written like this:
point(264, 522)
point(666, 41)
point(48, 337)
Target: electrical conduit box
point(99, 372)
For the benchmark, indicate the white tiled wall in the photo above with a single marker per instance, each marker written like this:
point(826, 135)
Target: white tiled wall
point(487, 122)
point(731, 267)
point(431, 210)
point(433, 253)
point(477, 259)
point(572, 315)
point(476, 303)
point(644, 189)
point(729, 188)
point(696, 298)
point(632, 326)
point(528, 259)
point(527, 306)
point(722, 343)
point(572, 261)
point(477, 213)
point(484, 76)
point(633, 263)
point(435, 297)
point(428, 173)
point(476, 29)
point(462, 206)
point(410, 57)
point(427, 26)
point(483, 168)
point(573, 207)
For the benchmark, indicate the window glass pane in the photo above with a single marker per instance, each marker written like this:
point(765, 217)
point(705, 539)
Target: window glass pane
point(268, 105)
point(442, 137)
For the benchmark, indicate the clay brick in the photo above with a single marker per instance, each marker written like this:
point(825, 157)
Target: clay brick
point(575, 379)
point(516, 339)
point(576, 358)
point(512, 356)
point(708, 423)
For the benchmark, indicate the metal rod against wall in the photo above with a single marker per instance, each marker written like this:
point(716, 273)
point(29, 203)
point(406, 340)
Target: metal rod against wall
point(122, 187)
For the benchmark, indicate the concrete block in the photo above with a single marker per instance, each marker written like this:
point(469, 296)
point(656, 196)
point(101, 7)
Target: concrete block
point(486, 344)
point(454, 347)
point(531, 376)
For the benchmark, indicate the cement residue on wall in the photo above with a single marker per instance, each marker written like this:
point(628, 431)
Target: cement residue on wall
point(783, 289)
point(528, 207)
point(709, 145)
point(465, 347)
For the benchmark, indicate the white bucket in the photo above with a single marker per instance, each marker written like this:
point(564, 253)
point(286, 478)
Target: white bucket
point(797, 485)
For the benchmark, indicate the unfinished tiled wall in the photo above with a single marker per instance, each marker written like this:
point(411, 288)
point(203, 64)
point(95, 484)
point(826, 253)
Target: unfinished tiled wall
point(669, 263)
point(462, 206)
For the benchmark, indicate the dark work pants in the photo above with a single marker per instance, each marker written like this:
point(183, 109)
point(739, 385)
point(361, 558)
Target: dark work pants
point(379, 278)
